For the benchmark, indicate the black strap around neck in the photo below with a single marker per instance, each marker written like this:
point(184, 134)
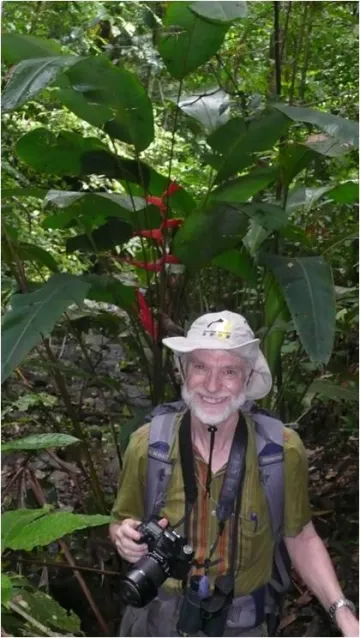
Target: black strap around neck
point(234, 474)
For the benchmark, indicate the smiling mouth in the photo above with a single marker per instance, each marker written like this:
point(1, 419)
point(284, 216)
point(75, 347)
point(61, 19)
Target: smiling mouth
point(212, 400)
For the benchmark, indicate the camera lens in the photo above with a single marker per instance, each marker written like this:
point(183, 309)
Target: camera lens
point(140, 585)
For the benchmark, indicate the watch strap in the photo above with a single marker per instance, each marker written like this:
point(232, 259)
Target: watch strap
point(341, 602)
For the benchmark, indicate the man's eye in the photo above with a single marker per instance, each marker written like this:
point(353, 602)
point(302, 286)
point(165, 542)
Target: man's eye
point(230, 372)
point(199, 366)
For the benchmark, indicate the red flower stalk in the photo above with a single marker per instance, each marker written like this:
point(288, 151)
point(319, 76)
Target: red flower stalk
point(145, 316)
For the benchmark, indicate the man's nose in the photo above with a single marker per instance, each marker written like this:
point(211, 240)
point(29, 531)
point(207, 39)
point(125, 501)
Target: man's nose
point(212, 383)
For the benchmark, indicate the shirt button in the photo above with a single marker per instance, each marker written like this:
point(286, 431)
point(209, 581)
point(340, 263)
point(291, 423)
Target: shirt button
point(213, 512)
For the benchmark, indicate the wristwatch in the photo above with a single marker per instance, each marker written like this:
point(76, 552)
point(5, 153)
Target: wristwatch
point(341, 602)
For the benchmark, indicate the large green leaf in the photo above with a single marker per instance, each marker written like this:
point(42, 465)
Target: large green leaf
point(31, 252)
point(6, 589)
point(306, 197)
point(92, 209)
point(206, 234)
point(48, 612)
point(29, 77)
point(56, 155)
point(122, 106)
point(188, 41)
point(238, 262)
point(308, 288)
point(241, 189)
point(269, 216)
point(341, 129)
point(220, 11)
point(211, 108)
point(110, 290)
point(33, 315)
point(39, 442)
point(237, 141)
point(16, 47)
point(114, 232)
point(26, 529)
point(103, 162)
point(330, 390)
point(294, 158)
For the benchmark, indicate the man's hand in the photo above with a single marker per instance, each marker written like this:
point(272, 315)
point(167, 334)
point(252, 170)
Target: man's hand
point(124, 536)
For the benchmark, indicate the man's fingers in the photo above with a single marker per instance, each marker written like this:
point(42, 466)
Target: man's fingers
point(163, 522)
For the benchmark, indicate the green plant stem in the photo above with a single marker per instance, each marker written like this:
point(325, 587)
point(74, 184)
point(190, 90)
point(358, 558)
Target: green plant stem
point(297, 52)
point(35, 623)
point(277, 48)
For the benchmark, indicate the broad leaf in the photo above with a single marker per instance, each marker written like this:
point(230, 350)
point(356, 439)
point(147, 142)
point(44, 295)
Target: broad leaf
point(116, 95)
point(237, 142)
point(293, 159)
point(31, 252)
point(16, 47)
point(91, 210)
point(345, 193)
point(255, 237)
point(48, 612)
point(341, 129)
point(102, 162)
point(305, 197)
point(206, 234)
point(241, 189)
point(269, 216)
point(56, 155)
point(188, 41)
point(26, 529)
point(110, 290)
point(220, 11)
point(276, 315)
point(6, 589)
point(211, 108)
point(333, 391)
point(33, 315)
point(308, 288)
point(39, 442)
point(114, 232)
point(238, 262)
point(29, 77)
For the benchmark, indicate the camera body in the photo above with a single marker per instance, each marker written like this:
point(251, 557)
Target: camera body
point(169, 555)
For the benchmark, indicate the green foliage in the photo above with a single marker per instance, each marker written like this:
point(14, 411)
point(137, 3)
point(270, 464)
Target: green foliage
point(220, 11)
point(186, 31)
point(307, 286)
point(48, 612)
point(39, 442)
point(26, 529)
point(33, 315)
point(29, 77)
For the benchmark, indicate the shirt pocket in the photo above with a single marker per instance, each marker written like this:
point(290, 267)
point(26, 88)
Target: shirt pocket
point(253, 541)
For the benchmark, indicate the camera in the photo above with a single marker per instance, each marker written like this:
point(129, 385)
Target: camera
point(169, 555)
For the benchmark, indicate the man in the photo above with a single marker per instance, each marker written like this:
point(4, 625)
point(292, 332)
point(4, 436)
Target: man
point(223, 368)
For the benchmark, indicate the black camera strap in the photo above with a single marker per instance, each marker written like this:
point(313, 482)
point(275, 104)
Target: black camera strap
point(230, 495)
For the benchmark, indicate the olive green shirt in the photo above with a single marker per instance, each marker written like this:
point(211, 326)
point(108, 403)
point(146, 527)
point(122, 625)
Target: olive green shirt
point(255, 541)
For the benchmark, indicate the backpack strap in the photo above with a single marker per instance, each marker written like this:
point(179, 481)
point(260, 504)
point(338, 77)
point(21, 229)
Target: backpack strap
point(270, 450)
point(159, 469)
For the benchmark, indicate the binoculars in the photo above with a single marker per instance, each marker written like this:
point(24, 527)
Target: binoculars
point(207, 614)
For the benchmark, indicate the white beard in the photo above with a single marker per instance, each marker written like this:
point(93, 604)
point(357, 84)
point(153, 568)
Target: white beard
point(202, 414)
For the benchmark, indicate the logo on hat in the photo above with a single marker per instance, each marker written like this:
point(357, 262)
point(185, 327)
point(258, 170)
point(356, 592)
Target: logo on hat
point(220, 332)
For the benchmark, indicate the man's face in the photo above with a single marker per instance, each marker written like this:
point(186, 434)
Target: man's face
point(214, 385)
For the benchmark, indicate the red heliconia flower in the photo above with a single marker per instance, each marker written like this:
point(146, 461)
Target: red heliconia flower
point(157, 201)
point(160, 201)
point(145, 316)
point(172, 223)
point(172, 188)
point(170, 259)
point(155, 233)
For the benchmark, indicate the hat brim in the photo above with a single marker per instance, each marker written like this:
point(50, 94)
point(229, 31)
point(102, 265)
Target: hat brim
point(182, 345)
point(260, 382)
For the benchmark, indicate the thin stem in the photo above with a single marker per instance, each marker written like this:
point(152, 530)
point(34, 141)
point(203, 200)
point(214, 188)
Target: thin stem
point(39, 495)
point(277, 48)
point(81, 568)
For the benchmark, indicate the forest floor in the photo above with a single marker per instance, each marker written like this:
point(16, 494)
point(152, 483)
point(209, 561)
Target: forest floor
point(333, 482)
